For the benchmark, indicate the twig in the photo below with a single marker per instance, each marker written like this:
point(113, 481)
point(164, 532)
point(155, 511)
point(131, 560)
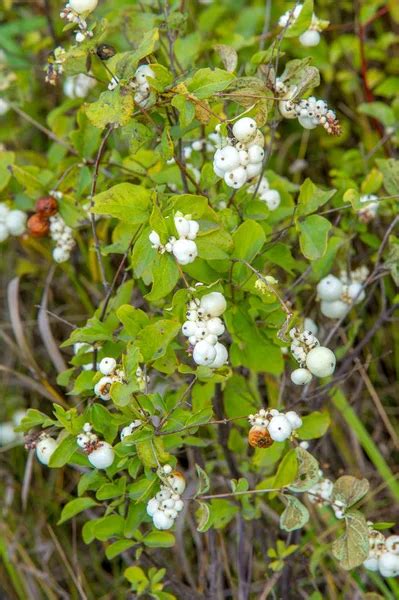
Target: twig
point(92, 193)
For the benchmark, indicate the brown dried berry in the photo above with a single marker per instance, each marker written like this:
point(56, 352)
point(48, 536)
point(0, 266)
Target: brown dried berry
point(38, 225)
point(259, 437)
point(47, 206)
point(105, 51)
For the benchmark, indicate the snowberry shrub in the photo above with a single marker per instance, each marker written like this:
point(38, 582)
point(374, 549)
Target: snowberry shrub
point(183, 205)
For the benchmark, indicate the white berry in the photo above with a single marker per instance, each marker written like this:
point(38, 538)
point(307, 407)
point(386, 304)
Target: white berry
point(82, 6)
point(213, 304)
point(335, 309)
point(255, 154)
point(329, 288)
point(388, 564)
point(16, 222)
point(279, 428)
point(301, 376)
point(102, 388)
point(215, 326)
point(310, 38)
point(244, 129)
point(103, 456)
point(237, 177)
point(392, 544)
point(204, 353)
point(221, 356)
point(45, 448)
point(182, 226)
point(227, 158)
point(185, 251)
point(272, 199)
point(294, 419)
point(321, 361)
point(177, 482)
point(107, 365)
point(356, 292)
point(161, 520)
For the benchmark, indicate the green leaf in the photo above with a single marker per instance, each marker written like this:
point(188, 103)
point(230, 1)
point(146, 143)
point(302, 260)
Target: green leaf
point(313, 236)
point(34, 418)
point(372, 182)
point(389, 167)
point(75, 507)
point(206, 82)
point(222, 512)
point(154, 339)
point(280, 254)
point(135, 516)
point(203, 515)
point(118, 547)
point(125, 201)
point(301, 24)
point(103, 421)
point(295, 515)
point(349, 490)
point(301, 74)
point(137, 578)
point(378, 110)
point(287, 470)
point(308, 471)
point(314, 425)
point(248, 241)
point(165, 275)
point(186, 109)
point(352, 548)
point(159, 539)
point(311, 198)
point(133, 319)
point(63, 453)
point(190, 204)
point(112, 108)
point(6, 160)
point(203, 479)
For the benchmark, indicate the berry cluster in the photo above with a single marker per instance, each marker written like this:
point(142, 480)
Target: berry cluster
point(184, 249)
point(311, 37)
point(241, 158)
point(62, 235)
point(383, 553)
point(73, 12)
point(310, 113)
point(78, 86)
point(203, 328)
point(270, 425)
point(165, 506)
point(12, 222)
point(369, 211)
point(141, 85)
point(338, 295)
point(100, 454)
point(111, 374)
point(321, 494)
point(313, 359)
point(270, 197)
